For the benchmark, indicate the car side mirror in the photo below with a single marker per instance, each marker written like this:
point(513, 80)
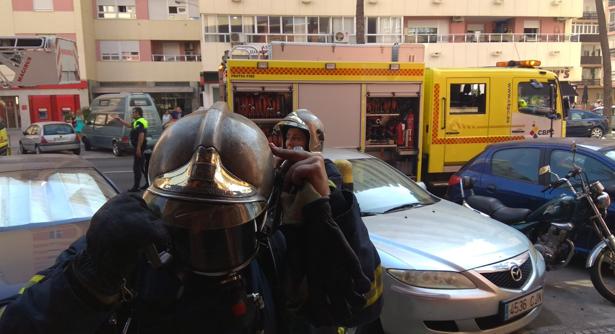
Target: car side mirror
point(544, 170)
point(422, 185)
point(468, 182)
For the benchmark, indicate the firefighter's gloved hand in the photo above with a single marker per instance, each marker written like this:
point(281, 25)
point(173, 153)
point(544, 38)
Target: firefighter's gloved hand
point(336, 281)
point(294, 202)
point(119, 231)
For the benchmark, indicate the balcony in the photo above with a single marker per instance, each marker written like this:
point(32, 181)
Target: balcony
point(174, 58)
point(591, 60)
point(590, 82)
point(492, 38)
point(590, 38)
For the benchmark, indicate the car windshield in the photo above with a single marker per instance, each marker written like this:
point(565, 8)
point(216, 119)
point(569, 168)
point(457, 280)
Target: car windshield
point(380, 188)
point(57, 129)
point(50, 195)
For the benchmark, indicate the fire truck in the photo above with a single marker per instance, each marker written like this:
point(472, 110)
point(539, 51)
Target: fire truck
point(426, 121)
point(40, 72)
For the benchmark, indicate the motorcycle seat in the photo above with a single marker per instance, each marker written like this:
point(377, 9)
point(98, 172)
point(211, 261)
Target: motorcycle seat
point(497, 210)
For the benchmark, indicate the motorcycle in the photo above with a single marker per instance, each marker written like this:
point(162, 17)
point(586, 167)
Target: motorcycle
point(551, 226)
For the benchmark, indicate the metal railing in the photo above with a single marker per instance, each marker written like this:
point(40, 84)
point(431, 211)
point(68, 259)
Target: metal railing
point(267, 38)
point(591, 82)
point(490, 38)
point(591, 60)
point(175, 58)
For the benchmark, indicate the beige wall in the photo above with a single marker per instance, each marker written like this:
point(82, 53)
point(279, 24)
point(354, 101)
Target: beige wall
point(552, 55)
point(540, 8)
point(147, 71)
point(147, 30)
point(211, 55)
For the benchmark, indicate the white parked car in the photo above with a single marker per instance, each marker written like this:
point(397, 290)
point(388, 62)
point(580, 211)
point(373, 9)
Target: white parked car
point(49, 137)
point(447, 269)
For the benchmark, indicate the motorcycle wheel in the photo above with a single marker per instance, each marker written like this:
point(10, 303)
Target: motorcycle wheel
point(603, 274)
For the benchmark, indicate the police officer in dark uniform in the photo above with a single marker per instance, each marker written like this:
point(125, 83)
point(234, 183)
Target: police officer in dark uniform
point(138, 135)
point(198, 254)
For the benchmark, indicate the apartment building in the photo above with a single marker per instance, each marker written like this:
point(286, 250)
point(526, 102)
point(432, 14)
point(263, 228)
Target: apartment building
point(151, 46)
point(455, 33)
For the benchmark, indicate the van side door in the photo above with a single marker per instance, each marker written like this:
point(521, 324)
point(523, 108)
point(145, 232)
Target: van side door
point(98, 137)
point(466, 120)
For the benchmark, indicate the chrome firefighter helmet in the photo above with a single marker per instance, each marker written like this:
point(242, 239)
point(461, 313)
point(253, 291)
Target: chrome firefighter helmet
point(211, 174)
point(308, 122)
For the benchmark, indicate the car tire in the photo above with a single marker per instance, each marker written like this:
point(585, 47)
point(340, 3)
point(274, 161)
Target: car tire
point(22, 150)
point(37, 150)
point(116, 149)
point(77, 151)
point(596, 132)
point(86, 144)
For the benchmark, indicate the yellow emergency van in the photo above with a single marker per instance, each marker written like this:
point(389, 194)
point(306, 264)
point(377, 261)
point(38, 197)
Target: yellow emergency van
point(4, 139)
point(427, 121)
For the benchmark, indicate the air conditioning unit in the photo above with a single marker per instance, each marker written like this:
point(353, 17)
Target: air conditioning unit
point(496, 53)
point(436, 1)
point(238, 37)
point(457, 19)
point(436, 54)
point(372, 2)
point(498, 2)
point(561, 18)
point(556, 2)
point(341, 37)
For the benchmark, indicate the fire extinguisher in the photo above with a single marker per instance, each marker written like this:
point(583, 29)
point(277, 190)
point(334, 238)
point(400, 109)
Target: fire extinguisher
point(399, 133)
point(410, 130)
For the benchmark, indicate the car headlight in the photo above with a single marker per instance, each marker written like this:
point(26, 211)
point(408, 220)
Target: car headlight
point(432, 279)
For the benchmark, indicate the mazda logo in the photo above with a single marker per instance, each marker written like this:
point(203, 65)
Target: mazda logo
point(516, 273)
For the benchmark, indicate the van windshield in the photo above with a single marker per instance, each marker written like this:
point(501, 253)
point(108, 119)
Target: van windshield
point(138, 102)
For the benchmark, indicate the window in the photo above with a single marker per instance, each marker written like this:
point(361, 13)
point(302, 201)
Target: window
point(236, 24)
point(535, 98)
point(383, 29)
point(575, 116)
point(468, 98)
point(531, 28)
point(262, 23)
point(287, 24)
point(140, 102)
point(58, 129)
point(561, 163)
point(101, 119)
point(177, 8)
point(423, 34)
point(116, 9)
point(43, 5)
point(517, 164)
point(110, 102)
point(119, 50)
point(274, 25)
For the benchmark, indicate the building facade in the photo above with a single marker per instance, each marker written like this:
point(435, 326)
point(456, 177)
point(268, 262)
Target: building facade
point(459, 33)
point(151, 46)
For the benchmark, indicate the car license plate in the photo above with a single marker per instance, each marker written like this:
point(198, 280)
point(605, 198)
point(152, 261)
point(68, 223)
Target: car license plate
point(515, 307)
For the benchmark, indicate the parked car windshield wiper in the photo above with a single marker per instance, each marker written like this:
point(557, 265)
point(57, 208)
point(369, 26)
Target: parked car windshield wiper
point(404, 206)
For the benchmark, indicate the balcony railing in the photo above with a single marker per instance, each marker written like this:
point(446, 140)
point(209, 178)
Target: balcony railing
point(490, 38)
point(591, 82)
point(170, 58)
point(611, 3)
point(591, 60)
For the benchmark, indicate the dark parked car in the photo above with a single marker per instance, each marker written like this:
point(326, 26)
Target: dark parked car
point(46, 203)
point(509, 172)
point(581, 123)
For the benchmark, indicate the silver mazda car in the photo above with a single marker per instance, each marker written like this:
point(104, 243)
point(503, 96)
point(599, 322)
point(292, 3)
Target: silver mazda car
point(447, 269)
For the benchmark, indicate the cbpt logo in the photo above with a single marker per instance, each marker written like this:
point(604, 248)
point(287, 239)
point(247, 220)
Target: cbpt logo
point(516, 273)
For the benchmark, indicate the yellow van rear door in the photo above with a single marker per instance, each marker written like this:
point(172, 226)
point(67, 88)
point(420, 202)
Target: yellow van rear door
point(466, 120)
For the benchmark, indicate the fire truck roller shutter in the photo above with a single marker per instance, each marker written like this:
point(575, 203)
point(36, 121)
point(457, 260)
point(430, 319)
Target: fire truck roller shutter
point(398, 90)
point(339, 108)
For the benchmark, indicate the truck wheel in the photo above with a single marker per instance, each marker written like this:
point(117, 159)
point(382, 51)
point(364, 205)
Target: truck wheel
point(22, 150)
point(116, 149)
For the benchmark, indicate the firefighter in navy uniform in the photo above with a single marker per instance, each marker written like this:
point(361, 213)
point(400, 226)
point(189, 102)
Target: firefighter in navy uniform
point(138, 135)
point(193, 256)
point(301, 128)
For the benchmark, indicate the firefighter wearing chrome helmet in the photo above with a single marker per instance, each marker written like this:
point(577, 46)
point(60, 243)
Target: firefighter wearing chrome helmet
point(302, 128)
point(188, 258)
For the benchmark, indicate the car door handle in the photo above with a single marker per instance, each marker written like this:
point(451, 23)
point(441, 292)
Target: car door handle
point(491, 188)
point(452, 132)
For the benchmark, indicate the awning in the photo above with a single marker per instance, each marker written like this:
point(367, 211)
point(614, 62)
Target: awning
point(155, 89)
point(567, 89)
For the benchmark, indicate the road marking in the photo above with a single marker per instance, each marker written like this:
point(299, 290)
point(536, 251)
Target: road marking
point(118, 171)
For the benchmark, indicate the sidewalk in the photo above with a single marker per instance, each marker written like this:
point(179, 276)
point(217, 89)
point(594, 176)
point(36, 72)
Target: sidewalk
point(14, 135)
